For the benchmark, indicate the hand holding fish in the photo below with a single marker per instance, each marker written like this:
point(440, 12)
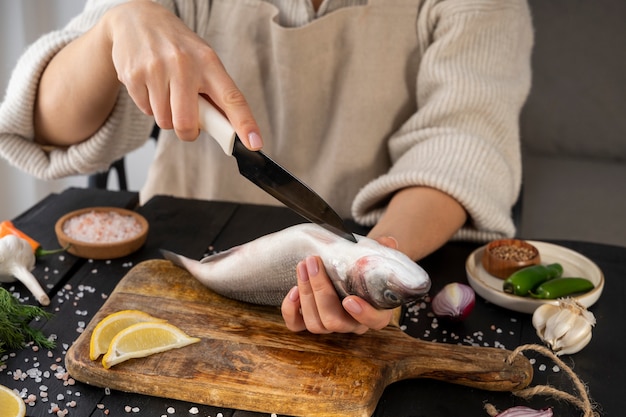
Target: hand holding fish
point(314, 305)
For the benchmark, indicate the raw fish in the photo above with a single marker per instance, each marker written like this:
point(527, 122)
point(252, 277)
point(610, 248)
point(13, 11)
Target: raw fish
point(264, 270)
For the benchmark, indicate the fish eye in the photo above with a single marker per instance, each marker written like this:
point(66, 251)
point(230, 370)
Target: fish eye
point(391, 296)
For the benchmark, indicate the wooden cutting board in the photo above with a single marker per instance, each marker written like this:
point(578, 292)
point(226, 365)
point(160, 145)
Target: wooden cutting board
point(248, 360)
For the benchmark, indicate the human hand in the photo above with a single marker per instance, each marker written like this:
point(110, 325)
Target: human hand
point(314, 305)
point(165, 66)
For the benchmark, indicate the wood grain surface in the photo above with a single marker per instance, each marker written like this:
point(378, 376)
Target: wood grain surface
point(248, 360)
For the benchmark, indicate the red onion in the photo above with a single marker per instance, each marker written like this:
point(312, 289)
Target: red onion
point(521, 411)
point(454, 301)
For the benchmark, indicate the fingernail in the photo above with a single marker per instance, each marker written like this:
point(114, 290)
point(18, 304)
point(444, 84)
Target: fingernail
point(255, 140)
point(352, 306)
point(303, 274)
point(294, 295)
point(311, 265)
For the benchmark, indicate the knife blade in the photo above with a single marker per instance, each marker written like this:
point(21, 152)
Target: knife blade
point(267, 174)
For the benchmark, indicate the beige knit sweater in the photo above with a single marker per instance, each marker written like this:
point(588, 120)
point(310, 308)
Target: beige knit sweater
point(359, 100)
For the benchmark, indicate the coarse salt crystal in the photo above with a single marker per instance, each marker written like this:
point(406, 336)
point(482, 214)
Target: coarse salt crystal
point(101, 227)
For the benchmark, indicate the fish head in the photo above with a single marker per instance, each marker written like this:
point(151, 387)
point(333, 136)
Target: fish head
point(388, 281)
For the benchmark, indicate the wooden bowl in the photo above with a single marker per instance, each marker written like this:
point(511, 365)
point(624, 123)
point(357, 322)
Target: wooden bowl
point(120, 232)
point(504, 256)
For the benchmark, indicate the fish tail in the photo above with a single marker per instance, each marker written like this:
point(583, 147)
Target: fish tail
point(176, 259)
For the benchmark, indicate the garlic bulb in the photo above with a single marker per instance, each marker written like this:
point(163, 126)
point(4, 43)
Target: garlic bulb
point(566, 327)
point(17, 259)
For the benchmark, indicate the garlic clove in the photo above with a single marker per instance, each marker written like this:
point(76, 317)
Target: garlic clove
point(576, 347)
point(580, 332)
point(558, 325)
point(541, 315)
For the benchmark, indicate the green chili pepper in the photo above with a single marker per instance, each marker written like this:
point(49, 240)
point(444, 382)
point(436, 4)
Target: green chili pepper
point(527, 279)
point(561, 287)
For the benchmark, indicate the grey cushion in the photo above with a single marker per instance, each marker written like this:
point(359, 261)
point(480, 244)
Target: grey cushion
point(574, 199)
point(573, 126)
point(577, 104)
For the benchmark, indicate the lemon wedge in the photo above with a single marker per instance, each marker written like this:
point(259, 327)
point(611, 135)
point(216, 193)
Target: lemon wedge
point(144, 339)
point(12, 404)
point(111, 325)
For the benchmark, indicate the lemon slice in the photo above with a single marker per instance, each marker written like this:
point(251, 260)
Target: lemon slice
point(144, 339)
point(111, 325)
point(12, 404)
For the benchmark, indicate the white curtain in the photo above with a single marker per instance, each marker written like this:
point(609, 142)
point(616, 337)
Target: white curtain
point(22, 22)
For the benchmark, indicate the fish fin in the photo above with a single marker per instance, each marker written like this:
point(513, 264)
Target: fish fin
point(219, 255)
point(176, 259)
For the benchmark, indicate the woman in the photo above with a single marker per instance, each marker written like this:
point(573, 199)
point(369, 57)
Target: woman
point(401, 113)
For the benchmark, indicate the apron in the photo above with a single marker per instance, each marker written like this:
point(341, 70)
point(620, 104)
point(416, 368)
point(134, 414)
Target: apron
point(327, 96)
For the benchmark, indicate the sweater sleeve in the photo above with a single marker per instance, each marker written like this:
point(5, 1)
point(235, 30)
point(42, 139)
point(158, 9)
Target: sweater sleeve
point(126, 128)
point(464, 139)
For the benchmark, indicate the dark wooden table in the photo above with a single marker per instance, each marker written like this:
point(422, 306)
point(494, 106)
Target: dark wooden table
point(78, 287)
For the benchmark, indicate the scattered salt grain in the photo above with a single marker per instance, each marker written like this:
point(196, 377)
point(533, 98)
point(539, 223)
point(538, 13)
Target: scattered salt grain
point(171, 410)
point(194, 410)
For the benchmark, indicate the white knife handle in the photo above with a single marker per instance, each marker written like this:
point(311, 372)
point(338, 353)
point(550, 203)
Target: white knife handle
point(216, 125)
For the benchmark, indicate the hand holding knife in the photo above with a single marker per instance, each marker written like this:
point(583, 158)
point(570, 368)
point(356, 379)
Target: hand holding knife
point(268, 175)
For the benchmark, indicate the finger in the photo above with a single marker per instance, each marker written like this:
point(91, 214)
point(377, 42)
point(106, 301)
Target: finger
point(139, 95)
point(290, 310)
point(330, 312)
point(308, 306)
point(159, 96)
point(364, 313)
point(225, 94)
point(388, 241)
point(184, 107)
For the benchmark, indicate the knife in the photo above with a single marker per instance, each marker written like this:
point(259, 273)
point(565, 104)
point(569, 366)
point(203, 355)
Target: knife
point(269, 175)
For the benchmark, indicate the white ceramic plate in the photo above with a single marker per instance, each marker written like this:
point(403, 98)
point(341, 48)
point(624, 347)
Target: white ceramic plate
point(574, 265)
